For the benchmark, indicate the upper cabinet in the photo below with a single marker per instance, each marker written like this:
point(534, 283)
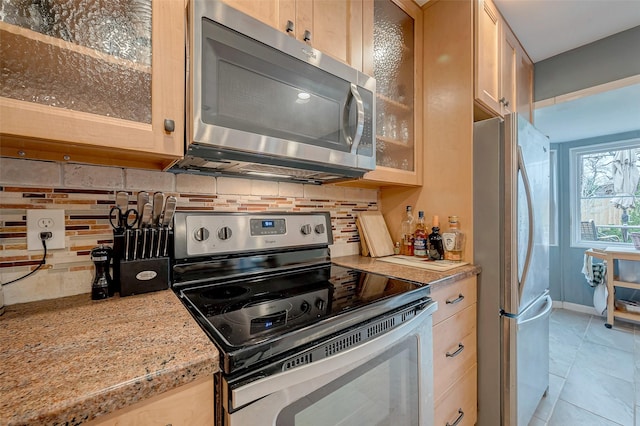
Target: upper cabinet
point(397, 56)
point(503, 71)
point(81, 82)
point(334, 27)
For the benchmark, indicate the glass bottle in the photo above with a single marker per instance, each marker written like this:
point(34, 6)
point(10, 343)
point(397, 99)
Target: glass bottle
point(420, 237)
point(436, 249)
point(407, 233)
point(453, 241)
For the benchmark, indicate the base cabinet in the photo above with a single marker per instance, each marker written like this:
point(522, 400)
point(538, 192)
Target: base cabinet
point(455, 358)
point(188, 405)
point(458, 406)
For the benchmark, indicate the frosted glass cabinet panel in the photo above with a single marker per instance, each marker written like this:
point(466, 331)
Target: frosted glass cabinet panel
point(393, 69)
point(397, 68)
point(92, 56)
point(83, 77)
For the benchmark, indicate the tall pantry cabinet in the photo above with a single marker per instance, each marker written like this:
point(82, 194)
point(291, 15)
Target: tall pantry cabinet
point(447, 189)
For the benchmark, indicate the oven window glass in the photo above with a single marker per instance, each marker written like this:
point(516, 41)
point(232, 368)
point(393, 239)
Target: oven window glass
point(382, 391)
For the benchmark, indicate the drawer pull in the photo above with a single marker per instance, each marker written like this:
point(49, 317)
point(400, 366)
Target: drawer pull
point(460, 416)
point(458, 299)
point(457, 352)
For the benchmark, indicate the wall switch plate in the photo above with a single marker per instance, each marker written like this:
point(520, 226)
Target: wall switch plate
point(45, 220)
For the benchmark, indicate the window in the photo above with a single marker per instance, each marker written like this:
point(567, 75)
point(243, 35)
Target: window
point(606, 198)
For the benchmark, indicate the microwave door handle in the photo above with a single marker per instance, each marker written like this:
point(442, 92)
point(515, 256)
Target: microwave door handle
point(360, 120)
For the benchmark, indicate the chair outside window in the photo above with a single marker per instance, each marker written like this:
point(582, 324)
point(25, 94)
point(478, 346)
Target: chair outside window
point(589, 232)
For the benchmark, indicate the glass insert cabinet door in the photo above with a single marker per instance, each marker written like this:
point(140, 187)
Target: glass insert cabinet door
point(393, 49)
point(91, 56)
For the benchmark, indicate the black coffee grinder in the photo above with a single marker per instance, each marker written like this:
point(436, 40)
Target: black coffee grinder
point(101, 257)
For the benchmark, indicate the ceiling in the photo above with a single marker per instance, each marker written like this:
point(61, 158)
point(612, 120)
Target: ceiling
point(549, 27)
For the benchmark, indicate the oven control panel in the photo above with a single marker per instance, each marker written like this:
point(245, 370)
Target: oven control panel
point(214, 233)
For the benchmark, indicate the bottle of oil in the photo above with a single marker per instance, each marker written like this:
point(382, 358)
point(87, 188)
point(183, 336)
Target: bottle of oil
point(453, 241)
point(436, 249)
point(420, 237)
point(407, 233)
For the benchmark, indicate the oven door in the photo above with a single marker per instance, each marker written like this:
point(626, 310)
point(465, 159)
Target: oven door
point(386, 380)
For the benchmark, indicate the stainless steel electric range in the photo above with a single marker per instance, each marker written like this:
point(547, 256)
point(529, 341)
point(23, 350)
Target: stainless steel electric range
point(300, 337)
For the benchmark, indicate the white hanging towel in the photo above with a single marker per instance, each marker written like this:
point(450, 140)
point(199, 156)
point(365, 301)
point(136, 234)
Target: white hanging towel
point(587, 268)
point(600, 298)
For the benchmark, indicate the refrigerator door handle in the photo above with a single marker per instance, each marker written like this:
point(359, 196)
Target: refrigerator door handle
point(527, 191)
point(549, 306)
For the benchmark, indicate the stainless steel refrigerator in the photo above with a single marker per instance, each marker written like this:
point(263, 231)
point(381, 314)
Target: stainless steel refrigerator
point(511, 245)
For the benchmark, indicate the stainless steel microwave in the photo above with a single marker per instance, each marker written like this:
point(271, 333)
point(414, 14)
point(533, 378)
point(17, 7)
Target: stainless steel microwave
point(261, 103)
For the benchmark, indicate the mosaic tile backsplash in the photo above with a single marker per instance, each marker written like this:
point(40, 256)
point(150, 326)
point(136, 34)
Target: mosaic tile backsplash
point(86, 193)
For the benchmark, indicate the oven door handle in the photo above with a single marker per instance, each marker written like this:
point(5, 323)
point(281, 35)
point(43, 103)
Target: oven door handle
point(329, 369)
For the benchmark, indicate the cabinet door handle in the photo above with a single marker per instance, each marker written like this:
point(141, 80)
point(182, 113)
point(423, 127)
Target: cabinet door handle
point(458, 420)
point(307, 35)
point(289, 27)
point(169, 125)
point(458, 299)
point(456, 352)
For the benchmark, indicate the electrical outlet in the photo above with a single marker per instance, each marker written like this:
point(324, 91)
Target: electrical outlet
point(45, 220)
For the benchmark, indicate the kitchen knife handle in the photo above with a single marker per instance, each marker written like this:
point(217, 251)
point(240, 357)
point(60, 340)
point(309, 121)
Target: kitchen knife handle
point(127, 242)
point(166, 242)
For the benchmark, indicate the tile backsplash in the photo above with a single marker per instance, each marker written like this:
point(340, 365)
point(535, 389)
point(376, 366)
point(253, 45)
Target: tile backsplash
point(86, 193)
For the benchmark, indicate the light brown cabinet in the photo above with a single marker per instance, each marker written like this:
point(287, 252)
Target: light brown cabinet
point(105, 83)
point(335, 27)
point(191, 404)
point(455, 359)
point(503, 71)
point(397, 67)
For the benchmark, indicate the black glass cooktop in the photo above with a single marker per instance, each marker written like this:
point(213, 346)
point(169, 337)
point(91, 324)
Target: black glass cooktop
point(268, 314)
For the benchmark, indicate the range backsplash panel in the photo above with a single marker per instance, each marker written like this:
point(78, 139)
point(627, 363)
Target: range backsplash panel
point(86, 193)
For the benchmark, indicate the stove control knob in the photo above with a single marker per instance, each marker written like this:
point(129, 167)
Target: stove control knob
point(201, 234)
point(224, 233)
point(305, 229)
point(319, 228)
point(320, 305)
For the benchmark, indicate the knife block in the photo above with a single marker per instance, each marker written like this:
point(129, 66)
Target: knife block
point(140, 275)
point(143, 275)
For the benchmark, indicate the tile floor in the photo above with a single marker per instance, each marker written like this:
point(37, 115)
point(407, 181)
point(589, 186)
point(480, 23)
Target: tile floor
point(594, 375)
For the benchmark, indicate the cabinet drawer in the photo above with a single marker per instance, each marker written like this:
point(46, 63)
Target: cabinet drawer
point(453, 298)
point(454, 349)
point(459, 402)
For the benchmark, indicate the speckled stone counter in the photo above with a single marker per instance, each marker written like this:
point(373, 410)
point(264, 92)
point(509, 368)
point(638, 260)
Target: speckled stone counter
point(407, 272)
point(69, 360)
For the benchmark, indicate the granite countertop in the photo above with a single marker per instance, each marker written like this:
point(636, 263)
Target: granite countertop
point(70, 360)
point(407, 272)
